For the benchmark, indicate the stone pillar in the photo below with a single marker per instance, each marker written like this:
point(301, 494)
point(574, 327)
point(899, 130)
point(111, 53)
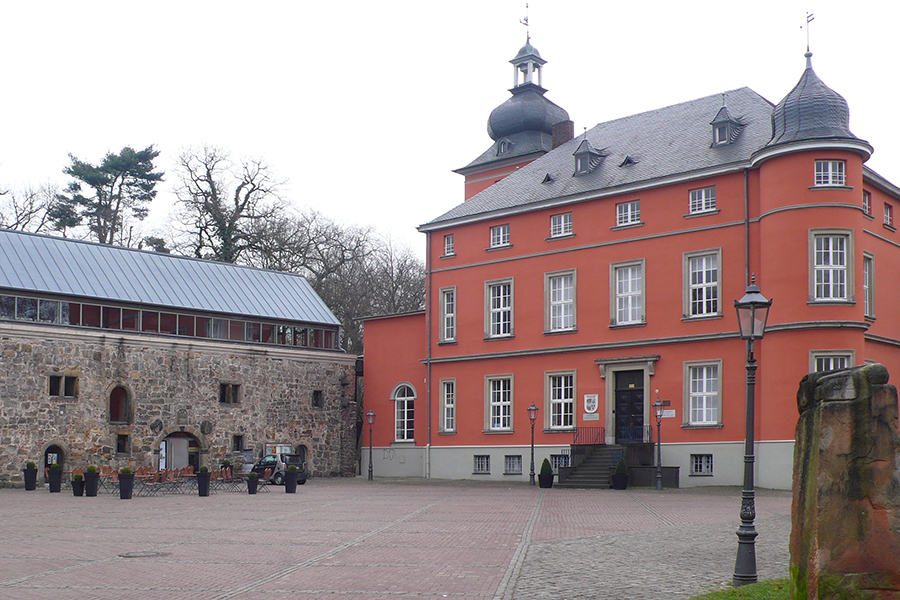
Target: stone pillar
point(845, 534)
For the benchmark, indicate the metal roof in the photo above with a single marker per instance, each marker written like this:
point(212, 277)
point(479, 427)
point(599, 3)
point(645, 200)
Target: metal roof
point(52, 265)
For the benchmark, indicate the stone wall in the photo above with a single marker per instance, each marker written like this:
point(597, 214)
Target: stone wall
point(173, 386)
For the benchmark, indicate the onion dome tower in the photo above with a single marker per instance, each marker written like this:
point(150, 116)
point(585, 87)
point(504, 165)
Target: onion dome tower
point(522, 127)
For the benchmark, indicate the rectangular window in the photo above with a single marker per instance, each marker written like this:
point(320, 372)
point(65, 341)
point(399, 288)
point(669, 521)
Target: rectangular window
point(627, 286)
point(831, 360)
point(48, 311)
point(703, 401)
point(500, 404)
point(702, 284)
point(122, 444)
point(869, 285)
point(482, 464)
point(500, 235)
point(26, 309)
point(830, 172)
point(168, 323)
point(561, 400)
point(831, 260)
point(867, 203)
point(512, 464)
point(448, 315)
point(628, 213)
point(318, 399)
point(149, 321)
point(888, 216)
point(559, 289)
point(8, 307)
point(703, 200)
point(448, 245)
point(448, 405)
point(237, 443)
point(229, 393)
point(499, 303)
point(721, 134)
point(559, 460)
point(65, 386)
point(560, 225)
point(701, 464)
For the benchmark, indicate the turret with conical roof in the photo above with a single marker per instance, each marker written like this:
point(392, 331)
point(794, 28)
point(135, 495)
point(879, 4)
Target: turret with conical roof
point(521, 127)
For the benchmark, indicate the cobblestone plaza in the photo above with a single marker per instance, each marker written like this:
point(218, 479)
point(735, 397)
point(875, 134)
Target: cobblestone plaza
point(388, 539)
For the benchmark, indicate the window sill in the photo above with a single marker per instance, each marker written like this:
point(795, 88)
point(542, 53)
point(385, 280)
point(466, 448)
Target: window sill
point(702, 213)
point(869, 216)
point(501, 247)
point(518, 474)
point(869, 318)
point(687, 319)
point(628, 325)
point(700, 426)
point(830, 302)
point(446, 432)
point(447, 343)
point(443, 256)
point(559, 430)
point(627, 226)
point(498, 431)
point(480, 473)
point(560, 331)
point(830, 187)
point(889, 227)
point(492, 338)
point(402, 443)
point(700, 475)
point(565, 236)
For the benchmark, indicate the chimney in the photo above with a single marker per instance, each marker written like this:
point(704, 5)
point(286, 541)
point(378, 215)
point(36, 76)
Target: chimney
point(562, 132)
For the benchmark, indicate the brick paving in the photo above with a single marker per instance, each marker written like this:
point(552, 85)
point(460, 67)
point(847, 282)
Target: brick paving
point(384, 540)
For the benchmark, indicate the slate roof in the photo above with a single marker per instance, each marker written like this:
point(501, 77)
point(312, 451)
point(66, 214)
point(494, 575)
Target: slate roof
point(52, 265)
point(663, 143)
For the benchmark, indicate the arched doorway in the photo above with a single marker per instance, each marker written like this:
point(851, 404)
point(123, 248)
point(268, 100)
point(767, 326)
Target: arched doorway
point(54, 455)
point(301, 451)
point(119, 409)
point(179, 450)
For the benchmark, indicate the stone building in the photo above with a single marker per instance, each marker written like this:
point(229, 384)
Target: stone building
point(114, 356)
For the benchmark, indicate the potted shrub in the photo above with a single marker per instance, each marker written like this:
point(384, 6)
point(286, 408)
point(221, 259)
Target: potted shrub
point(126, 483)
point(252, 482)
point(619, 478)
point(78, 484)
point(290, 479)
point(545, 477)
point(203, 481)
point(54, 478)
point(91, 481)
point(30, 474)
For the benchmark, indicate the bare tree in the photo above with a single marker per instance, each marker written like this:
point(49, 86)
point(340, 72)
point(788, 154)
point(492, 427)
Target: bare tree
point(29, 209)
point(223, 205)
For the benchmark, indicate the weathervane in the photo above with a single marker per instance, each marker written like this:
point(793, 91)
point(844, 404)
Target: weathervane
point(809, 19)
point(525, 23)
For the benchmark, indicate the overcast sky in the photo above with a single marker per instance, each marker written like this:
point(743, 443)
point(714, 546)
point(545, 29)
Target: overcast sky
point(366, 107)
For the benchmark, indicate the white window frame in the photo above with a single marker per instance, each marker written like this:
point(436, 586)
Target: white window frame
point(720, 134)
point(500, 236)
point(702, 297)
point(701, 465)
point(702, 200)
point(448, 312)
point(481, 464)
point(404, 413)
point(869, 285)
point(867, 203)
point(831, 262)
point(628, 213)
point(499, 304)
point(888, 215)
point(513, 464)
point(449, 245)
point(830, 358)
point(561, 225)
point(830, 173)
point(627, 285)
point(448, 405)
point(499, 394)
point(703, 393)
point(559, 400)
point(559, 301)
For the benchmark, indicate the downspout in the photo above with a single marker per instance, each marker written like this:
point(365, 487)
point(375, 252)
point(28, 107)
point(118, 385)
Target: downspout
point(746, 227)
point(428, 355)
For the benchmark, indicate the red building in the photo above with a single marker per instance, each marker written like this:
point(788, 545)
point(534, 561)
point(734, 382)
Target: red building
point(593, 275)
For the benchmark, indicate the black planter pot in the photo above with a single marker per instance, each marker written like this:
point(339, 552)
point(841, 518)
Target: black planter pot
point(91, 483)
point(545, 480)
point(78, 487)
point(54, 478)
point(126, 485)
point(30, 478)
point(619, 482)
point(203, 483)
point(290, 482)
point(252, 484)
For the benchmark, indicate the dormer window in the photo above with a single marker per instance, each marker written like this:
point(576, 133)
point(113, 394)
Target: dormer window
point(503, 146)
point(725, 128)
point(586, 158)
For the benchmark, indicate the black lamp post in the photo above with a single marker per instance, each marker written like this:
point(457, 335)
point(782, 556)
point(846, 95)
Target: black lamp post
point(370, 418)
point(658, 405)
point(532, 416)
point(752, 312)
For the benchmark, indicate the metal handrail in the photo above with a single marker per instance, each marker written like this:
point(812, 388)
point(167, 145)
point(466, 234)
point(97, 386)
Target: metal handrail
point(584, 436)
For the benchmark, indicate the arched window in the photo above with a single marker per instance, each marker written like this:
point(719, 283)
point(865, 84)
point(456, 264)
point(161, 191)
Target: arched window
point(404, 398)
point(119, 411)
